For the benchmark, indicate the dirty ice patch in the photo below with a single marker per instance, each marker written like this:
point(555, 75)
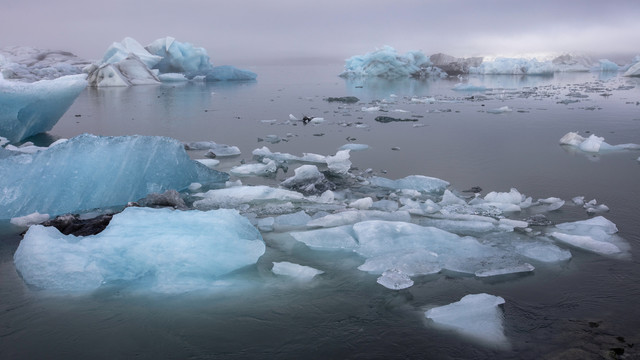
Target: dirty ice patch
point(168, 251)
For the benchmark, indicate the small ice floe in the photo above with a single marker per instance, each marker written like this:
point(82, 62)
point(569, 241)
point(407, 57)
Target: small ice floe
point(469, 87)
point(266, 168)
point(500, 110)
point(296, 271)
point(210, 163)
point(395, 280)
point(370, 109)
point(597, 235)
point(476, 316)
point(292, 117)
point(31, 219)
point(354, 147)
point(593, 144)
point(308, 180)
point(217, 149)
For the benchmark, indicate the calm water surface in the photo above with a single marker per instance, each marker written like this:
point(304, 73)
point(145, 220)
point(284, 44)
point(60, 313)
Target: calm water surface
point(579, 309)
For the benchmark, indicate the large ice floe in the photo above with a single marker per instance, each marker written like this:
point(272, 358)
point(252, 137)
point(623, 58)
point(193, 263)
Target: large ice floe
point(514, 66)
point(477, 316)
point(168, 251)
point(27, 109)
point(89, 172)
point(387, 63)
point(128, 63)
point(593, 143)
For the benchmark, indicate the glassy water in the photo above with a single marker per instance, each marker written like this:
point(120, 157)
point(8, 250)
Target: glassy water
point(580, 309)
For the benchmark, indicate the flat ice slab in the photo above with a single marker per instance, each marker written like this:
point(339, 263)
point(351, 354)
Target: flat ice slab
point(169, 251)
point(477, 316)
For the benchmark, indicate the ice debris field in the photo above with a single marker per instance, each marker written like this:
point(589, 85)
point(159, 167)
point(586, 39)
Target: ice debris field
point(212, 235)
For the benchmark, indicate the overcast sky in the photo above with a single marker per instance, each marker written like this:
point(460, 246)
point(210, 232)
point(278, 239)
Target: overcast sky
point(256, 31)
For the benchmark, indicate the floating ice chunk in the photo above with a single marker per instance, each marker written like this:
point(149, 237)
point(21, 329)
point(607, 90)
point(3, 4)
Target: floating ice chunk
point(30, 108)
point(234, 196)
point(337, 238)
point(179, 57)
point(292, 118)
point(371, 109)
point(543, 251)
point(552, 203)
point(339, 163)
point(91, 171)
point(476, 316)
point(594, 144)
point(500, 110)
point(452, 65)
point(218, 149)
point(229, 73)
point(173, 251)
point(354, 216)
point(316, 120)
point(596, 235)
point(448, 198)
point(308, 180)
point(412, 263)
point(385, 205)
point(29, 64)
point(387, 63)
point(578, 200)
point(266, 224)
point(526, 267)
point(606, 65)
point(511, 201)
point(267, 168)
point(31, 219)
point(413, 182)
point(395, 280)
point(514, 66)
point(210, 163)
point(296, 271)
point(306, 157)
point(362, 204)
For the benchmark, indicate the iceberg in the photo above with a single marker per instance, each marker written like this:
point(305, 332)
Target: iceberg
point(593, 144)
point(89, 171)
point(572, 63)
point(162, 250)
point(596, 235)
point(514, 66)
point(634, 70)
point(387, 63)
point(215, 148)
point(477, 316)
point(238, 195)
point(27, 109)
point(267, 168)
point(308, 180)
point(606, 65)
point(128, 63)
point(454, 66)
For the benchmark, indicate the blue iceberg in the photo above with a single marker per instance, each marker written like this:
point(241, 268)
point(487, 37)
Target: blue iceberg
point(161, 250)
point(128, 63)
point(27, 109)
point(387, 63)
point(91, 171)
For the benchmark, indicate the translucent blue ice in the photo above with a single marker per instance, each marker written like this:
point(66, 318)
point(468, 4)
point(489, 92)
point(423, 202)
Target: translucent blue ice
point(90, 171)
point(229, 73)
point(30, 108)
point(179, 57)
point(387, 63)
point(412, 182)
point(163, 250)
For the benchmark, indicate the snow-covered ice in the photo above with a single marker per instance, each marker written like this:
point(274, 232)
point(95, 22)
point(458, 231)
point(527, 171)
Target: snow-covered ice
point(89, 171)
point(477, 316)
point(161, 250)
point(30, 108)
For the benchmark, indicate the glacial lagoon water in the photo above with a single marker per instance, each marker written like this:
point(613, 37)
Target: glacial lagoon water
point(582, 308)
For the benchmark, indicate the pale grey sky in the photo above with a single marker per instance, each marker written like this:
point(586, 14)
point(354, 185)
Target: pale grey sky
point(255, 31)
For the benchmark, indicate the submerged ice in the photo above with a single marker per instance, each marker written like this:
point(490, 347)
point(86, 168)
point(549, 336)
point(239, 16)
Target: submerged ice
point(90, 171)
point(169, 251)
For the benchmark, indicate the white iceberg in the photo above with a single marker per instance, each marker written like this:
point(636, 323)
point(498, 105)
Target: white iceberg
point(477, 316)
point(267, 168)
point(89, 171)
point(126, 72)
point(596, 235)
point(238, 195)
point(162, 250)
point(27, 109)
point(594, 144)
point(634, 70)
point(387, 63)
